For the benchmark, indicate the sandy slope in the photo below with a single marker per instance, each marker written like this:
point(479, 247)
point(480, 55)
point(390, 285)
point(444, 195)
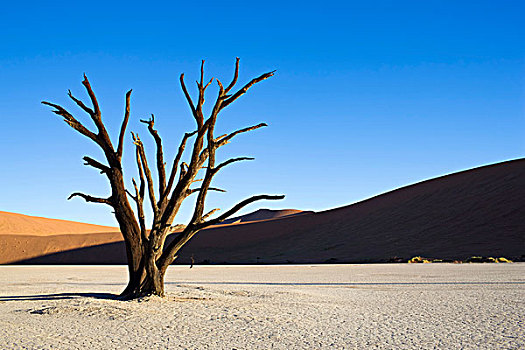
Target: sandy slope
point(19, 224)
point(404, 306)
point(475, 212)
point(15, 248)
point(25, 237)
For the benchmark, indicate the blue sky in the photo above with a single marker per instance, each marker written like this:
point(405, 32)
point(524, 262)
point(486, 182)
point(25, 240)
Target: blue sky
point(368, 96)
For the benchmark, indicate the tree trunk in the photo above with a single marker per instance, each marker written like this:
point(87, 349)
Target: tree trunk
point(144, 282)
point(136, 270)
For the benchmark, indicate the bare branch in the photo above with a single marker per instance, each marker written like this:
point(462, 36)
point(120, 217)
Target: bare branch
point(169, 253)
point(211, 148)
point(194, 190)
point(198, 157)
point(161, 168)
point(104, 169)
point(236, 208)
point(80, 103)
point(210, 213)
point(147, 172)
point(229, 161)
point(132, 196)
point(190, 102)
point(87, 85)
point(72, 121)
point(226, 139)
point(246, 87)
point(139, 199)
point(141, 172)
point(206, 86)
point(89, 198)
point(235, 76)
point(176, 163)
point(175, 228)
point(183, 170)
point(103, 136)
point(124, 126)
point(202, 73)
point(139, 193)
point(218, 138)
point(200, 100)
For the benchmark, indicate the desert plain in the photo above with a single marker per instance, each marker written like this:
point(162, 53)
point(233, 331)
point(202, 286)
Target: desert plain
point(365, 306)
point(294, 292)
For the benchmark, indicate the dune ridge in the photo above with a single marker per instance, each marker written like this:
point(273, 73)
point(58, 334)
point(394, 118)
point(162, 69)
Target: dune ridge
point(473, 212)
point(265, 214)
point(20, 224)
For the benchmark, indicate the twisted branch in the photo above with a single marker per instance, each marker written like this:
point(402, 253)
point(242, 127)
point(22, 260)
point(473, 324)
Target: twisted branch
point(123, 127)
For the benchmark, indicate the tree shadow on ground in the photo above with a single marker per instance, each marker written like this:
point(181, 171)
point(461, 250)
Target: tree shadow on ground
point(59, 296)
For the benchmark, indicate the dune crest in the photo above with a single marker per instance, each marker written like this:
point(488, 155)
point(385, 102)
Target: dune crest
point(265, 214)
point(20, 224)
point(474, 212)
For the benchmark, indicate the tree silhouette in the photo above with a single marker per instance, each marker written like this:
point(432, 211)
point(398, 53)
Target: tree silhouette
point(148, 255)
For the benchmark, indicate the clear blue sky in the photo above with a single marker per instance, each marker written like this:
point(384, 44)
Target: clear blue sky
point(368, 96)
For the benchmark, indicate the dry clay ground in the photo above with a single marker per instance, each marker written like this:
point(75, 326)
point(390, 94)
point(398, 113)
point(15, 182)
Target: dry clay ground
point(443, 306)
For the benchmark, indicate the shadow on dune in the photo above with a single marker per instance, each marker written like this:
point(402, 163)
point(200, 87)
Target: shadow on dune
point(58, 296)
point(102, 254)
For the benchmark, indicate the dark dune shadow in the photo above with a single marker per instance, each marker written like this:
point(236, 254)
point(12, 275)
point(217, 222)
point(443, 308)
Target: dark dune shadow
point(59, 296)
point(102, 254)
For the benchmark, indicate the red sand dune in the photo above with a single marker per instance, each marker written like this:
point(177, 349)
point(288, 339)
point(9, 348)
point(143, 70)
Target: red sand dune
point(19, 248)
point(474, 212)
point(19, 224)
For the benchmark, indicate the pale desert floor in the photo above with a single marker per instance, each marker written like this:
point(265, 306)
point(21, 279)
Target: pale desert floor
point(431, 306)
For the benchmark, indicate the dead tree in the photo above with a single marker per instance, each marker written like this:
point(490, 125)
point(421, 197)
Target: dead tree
point(148, 255)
